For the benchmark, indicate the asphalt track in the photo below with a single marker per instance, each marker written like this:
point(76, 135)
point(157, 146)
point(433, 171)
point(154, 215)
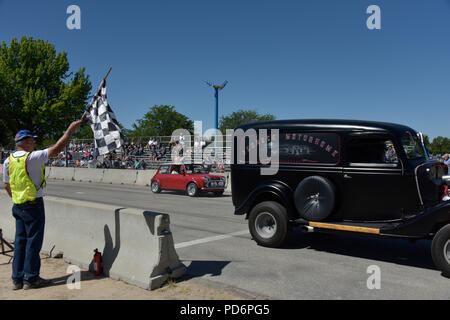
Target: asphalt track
point(215, 245)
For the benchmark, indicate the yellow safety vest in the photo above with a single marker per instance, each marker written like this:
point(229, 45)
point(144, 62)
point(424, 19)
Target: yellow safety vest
point(22, 187)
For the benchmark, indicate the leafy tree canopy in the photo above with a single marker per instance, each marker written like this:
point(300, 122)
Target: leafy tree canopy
point(161, 120)
point(439, 145)
point(240, 117)
point(37, 92)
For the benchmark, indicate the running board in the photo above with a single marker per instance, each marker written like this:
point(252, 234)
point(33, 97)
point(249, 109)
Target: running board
point(342, 227)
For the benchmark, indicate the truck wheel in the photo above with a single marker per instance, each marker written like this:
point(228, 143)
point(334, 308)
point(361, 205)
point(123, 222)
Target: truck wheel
point(268, 224)
point(156, 187)
point(440, 250)
point(315, 198)
point(192, 190)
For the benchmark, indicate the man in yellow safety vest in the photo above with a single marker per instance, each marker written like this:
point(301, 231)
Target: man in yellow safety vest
point(24, 180)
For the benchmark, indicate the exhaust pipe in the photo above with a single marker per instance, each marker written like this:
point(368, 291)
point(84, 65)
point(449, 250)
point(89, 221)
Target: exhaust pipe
point(307, 229)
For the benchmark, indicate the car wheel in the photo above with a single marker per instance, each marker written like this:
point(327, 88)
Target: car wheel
point(156, 188)
point(268, 224)
point(440, 250)
point(192, 190)
point(218, 193)
point(315, 198)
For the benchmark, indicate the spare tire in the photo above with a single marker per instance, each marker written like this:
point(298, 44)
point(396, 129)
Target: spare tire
point(315, 198)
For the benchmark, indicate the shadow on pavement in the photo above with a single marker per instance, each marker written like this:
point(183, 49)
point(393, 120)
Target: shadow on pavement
point(199, 269)
point(200, 195)
point(396, 251)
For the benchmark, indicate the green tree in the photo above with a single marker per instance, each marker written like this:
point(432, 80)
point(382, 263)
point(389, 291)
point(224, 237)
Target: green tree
point(161, 120)
point(440, 145)
point(426, 140)
point(37, 91)
point(240, 117)
point(85, 132)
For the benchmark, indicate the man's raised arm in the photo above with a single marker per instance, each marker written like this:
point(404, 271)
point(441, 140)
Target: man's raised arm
point(64, 140)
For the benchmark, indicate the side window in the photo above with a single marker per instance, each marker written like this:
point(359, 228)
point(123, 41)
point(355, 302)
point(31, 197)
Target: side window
point(164, 170)
point(309, 147)
point(294, 147)
point(412, 146)
point(390, 153)
point(175, 169)
point(375, 150)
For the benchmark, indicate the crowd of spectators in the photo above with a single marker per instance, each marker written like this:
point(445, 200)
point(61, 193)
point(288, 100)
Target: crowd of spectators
point(134, 155)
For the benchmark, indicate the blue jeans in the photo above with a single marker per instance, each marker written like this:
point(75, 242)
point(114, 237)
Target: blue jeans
point(30, 221)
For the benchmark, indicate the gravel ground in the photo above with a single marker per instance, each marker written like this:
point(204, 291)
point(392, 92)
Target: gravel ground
point(103, 288)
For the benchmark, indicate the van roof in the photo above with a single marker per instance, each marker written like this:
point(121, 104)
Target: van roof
point(328, 125)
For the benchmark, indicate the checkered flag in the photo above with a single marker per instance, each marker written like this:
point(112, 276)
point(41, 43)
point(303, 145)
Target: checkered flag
point(106, 129)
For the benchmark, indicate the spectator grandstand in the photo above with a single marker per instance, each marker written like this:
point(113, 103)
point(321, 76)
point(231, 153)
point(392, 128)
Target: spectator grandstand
point(139, 154)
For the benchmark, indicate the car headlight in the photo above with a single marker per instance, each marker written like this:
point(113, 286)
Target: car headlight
point(206, 180)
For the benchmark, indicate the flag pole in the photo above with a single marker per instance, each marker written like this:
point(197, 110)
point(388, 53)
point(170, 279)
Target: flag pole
point(104, 79)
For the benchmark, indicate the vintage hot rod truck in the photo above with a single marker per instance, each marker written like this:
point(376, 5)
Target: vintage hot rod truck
point(343, 176)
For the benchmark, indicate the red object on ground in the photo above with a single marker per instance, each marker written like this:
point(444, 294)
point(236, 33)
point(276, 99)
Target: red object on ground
point(97, 263)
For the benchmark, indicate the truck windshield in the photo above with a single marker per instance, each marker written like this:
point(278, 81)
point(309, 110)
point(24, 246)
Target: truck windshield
point(412, 146)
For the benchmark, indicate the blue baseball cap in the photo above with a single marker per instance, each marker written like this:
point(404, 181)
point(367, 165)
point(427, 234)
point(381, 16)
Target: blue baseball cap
point(21, 135)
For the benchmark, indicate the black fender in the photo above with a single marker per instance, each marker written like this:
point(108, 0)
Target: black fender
point(423, 224)
point(270, 191)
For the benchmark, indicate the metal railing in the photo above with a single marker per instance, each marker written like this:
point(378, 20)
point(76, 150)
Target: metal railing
point(140, 153)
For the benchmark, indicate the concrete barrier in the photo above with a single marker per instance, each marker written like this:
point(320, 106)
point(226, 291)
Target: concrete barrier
point(47, 172)
point(7, 221)
point(88, 175)
point(137, 246)
point(59, 173)
point(119, 176)
point(144, 177)
point(111, 176)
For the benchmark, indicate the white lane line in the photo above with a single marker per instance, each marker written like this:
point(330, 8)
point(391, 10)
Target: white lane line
point(210, 239)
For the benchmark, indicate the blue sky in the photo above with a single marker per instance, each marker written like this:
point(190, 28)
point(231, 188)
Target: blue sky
point(290, 58)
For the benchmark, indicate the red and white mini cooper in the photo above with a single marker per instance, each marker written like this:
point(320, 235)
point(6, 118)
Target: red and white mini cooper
point(193, 178)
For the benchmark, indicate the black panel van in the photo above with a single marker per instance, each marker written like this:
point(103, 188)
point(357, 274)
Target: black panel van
point(341, 176)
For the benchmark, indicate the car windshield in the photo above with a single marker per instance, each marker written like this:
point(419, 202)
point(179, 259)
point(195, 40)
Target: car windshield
point(412, 146)
point(195, 168)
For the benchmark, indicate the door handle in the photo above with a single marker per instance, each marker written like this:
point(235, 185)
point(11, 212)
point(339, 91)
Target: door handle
point(346, 176)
